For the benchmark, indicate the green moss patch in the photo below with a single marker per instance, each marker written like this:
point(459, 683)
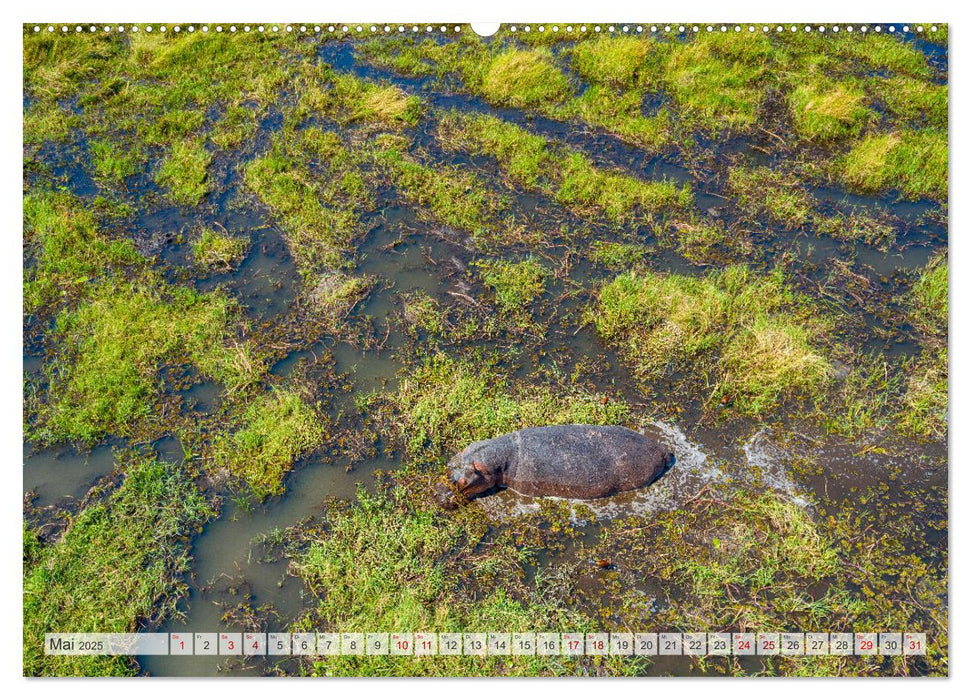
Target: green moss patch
point(120, 564)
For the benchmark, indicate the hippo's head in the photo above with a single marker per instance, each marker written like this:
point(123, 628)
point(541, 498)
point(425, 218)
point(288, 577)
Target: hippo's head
point(472, 471)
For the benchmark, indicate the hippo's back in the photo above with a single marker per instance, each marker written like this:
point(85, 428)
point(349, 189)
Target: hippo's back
point(584, 461)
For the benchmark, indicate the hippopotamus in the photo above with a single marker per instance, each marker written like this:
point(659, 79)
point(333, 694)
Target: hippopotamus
point(570, 461)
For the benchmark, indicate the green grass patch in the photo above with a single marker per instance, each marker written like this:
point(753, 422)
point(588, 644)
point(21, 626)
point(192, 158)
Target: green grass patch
point(717, 79)
point(569, 176)
point(515, 284)
point(237, 126)
point(769, 358)
point(348, 99)
point(67, 249)
point(882, 52)
point(218, 251)
point(139, 92)
point(828, 111)
point(940, 37)
point(747, 335)
point(618, 256)
point(919, 103)
point(318, 209)
point(46, 122)
point(56, 64)
point(913, 162)
point(444, 193)
point(514, 77)
point(120, 564)
point(754, 560)
point(924, 409)
point(332, 296)
point(466, 56)
point(526, 158)
point(865, 399)
point(275, 429)
point(618, 195)
point(183, 172)
point(172, 126)
point(857, 226)
point(615, 61)
point(761, 191)
point(360, 100)
point(929, 298)
point(524, 79)
point(620, 112)
point(392, 562)
point(424, 312)
point(444, 404)
point(105, 378)
point(699, 238)
point(113, 161)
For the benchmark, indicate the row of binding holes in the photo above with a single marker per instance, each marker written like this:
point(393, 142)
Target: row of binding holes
point(682, 29)
point(303, 29)
point(569, 28)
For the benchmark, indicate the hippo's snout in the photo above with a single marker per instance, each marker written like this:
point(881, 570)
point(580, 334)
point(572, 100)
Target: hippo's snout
point(470, 479)
point(448, 497)
point(669, 460)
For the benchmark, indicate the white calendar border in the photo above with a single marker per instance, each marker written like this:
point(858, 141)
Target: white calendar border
point(450, 11)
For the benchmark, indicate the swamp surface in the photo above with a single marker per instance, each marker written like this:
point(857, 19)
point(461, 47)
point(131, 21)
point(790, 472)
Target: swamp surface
point(274, 280)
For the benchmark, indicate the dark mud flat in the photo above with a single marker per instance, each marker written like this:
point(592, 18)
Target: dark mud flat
point(274, 283)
